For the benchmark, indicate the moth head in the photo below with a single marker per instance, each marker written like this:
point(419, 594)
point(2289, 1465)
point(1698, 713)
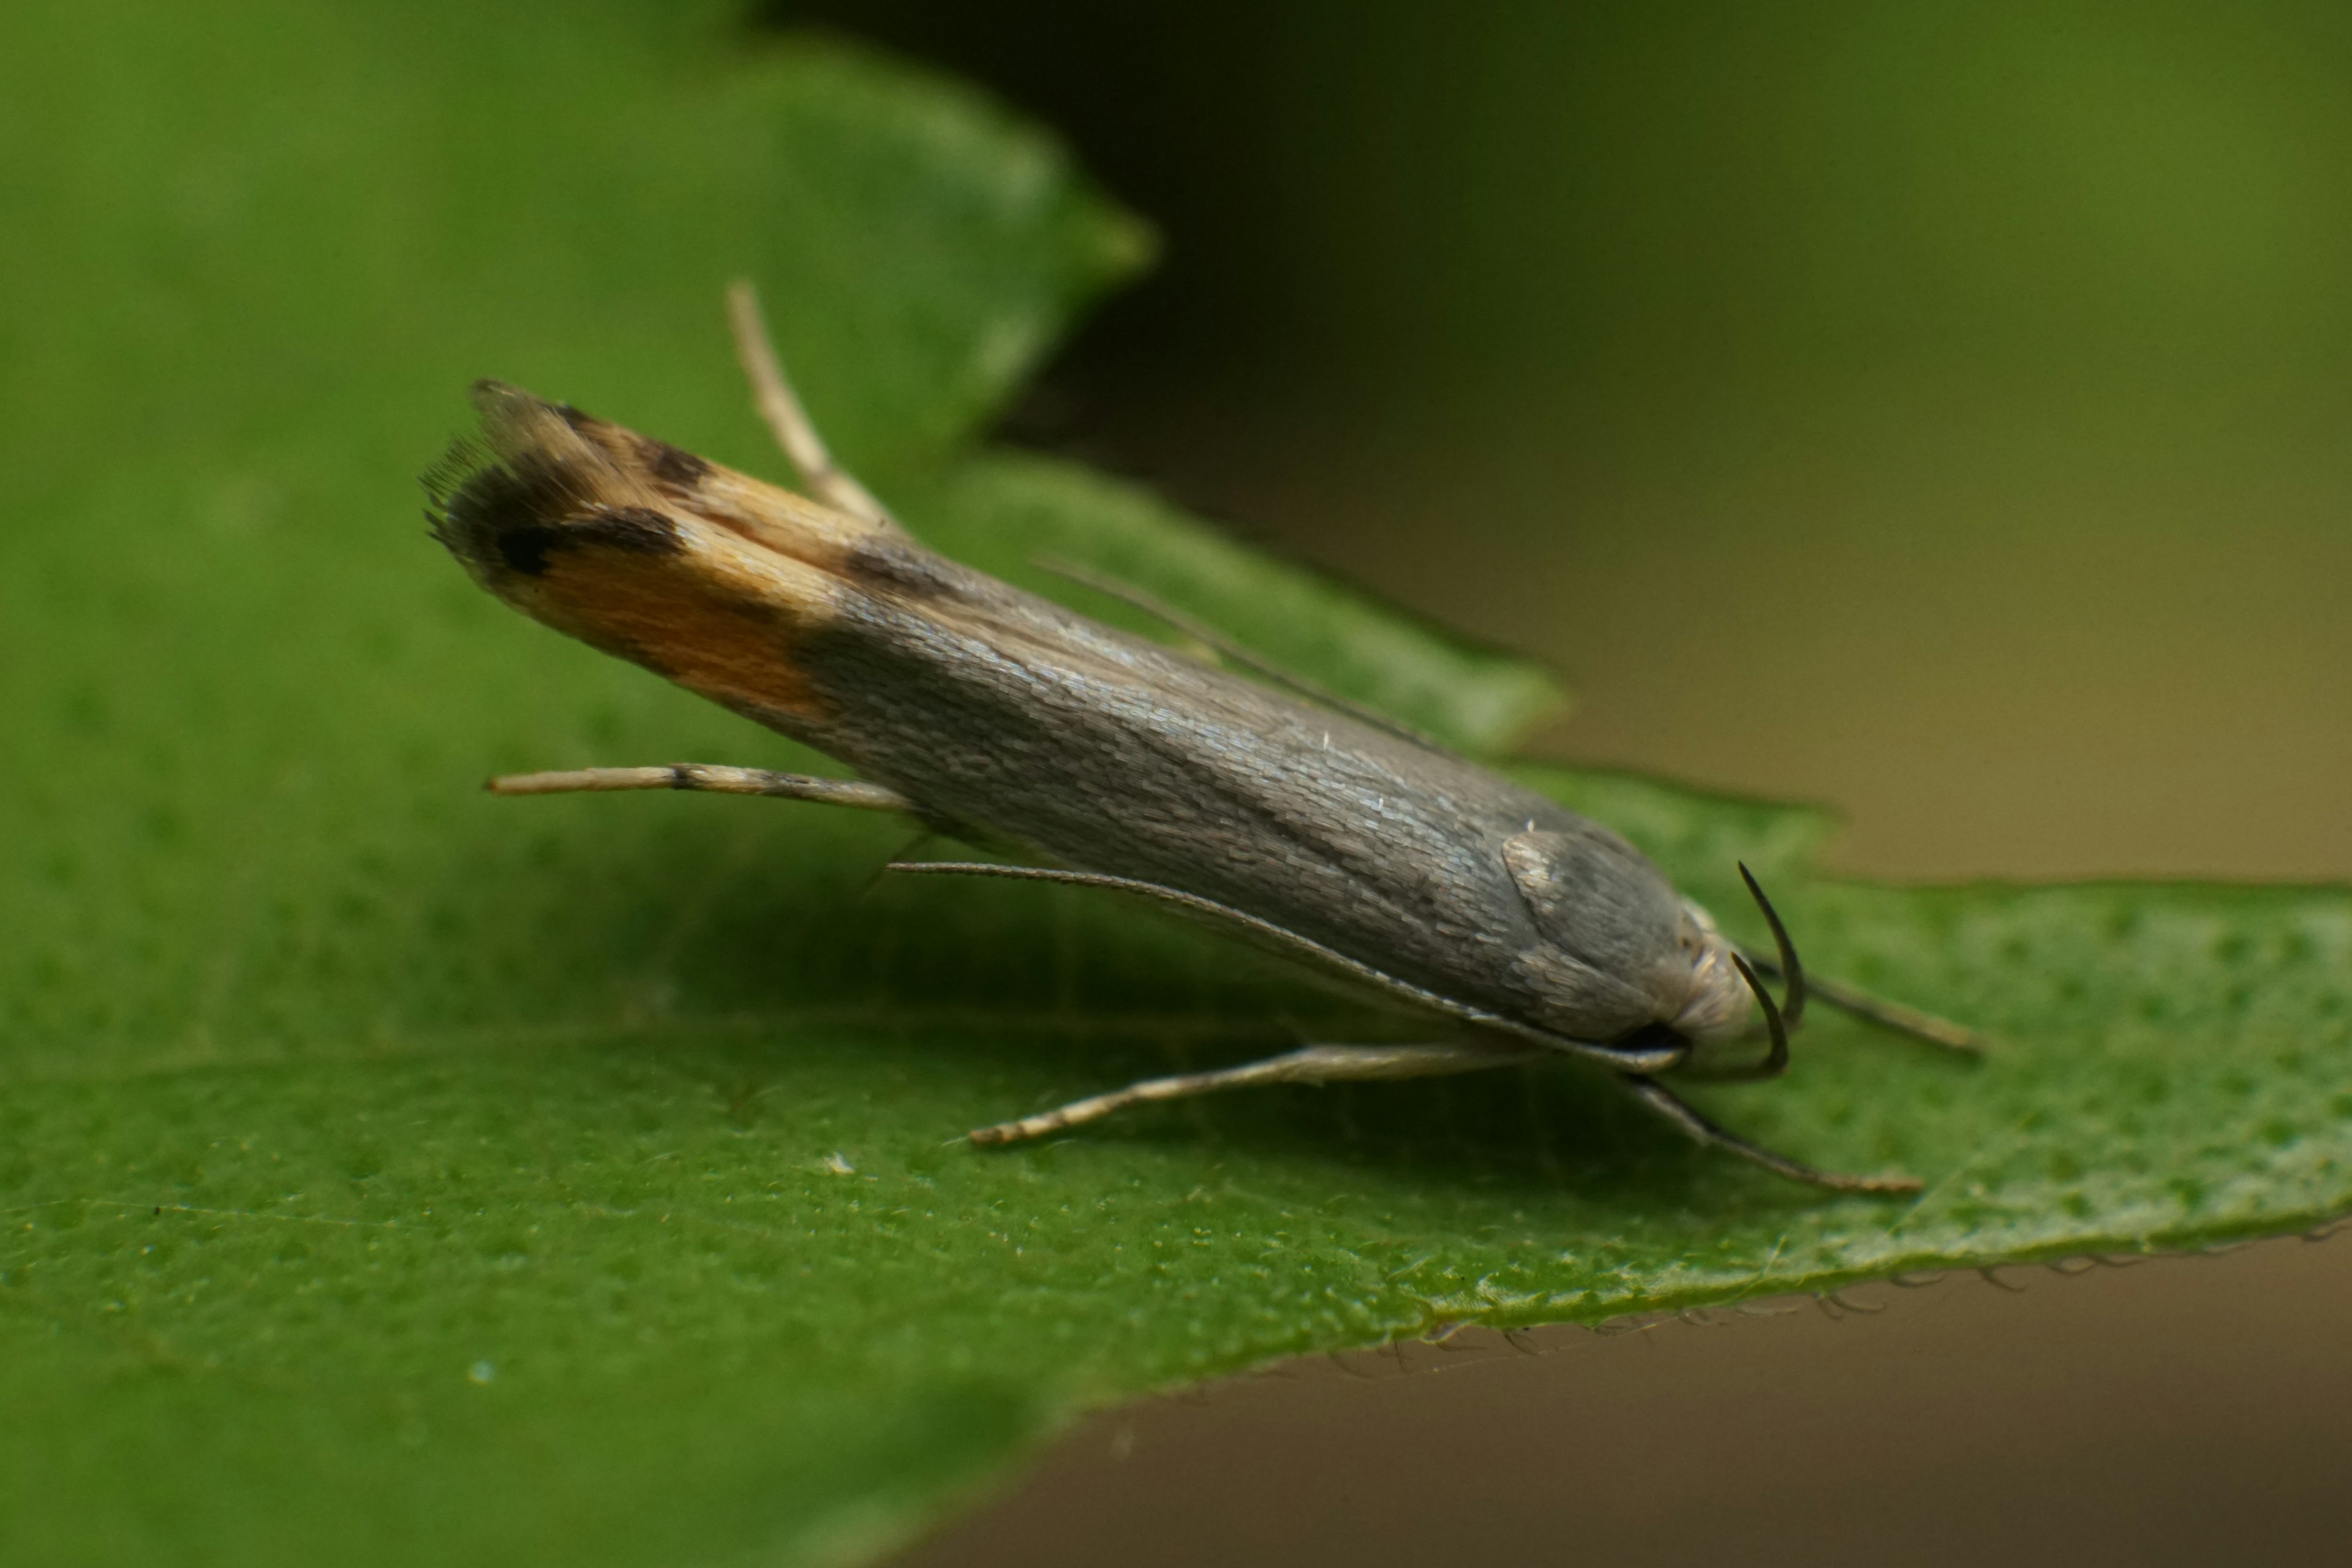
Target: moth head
point(1619, 952)
point(1724, 985)
point(1616, 950)
point(1718, 1005)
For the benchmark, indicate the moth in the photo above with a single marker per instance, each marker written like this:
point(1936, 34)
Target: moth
point(1275, 812)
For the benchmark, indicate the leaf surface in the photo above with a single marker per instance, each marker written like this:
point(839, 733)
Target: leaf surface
point(391, 1172)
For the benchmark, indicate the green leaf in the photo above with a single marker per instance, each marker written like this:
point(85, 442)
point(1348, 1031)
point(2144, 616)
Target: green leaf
point(391, 1172)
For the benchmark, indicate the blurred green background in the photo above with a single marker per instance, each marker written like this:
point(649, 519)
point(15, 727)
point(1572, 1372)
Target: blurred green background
point(1928, 410)
point(1935, 410)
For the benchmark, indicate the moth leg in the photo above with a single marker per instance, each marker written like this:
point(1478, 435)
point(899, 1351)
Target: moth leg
point(1311, 1064)
point(1662, 1101)
point(789, 422)
point(1904, 1020)
point(712, 779)
point(1624, 1059)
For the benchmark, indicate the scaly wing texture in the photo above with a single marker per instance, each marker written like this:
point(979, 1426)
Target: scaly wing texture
point(392, 1173)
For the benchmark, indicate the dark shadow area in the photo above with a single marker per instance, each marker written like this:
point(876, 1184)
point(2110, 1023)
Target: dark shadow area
point(646, 915)
point(1170, 109)
point(649, 917)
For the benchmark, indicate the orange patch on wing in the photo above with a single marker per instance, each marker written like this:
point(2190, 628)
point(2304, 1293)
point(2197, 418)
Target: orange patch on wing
point(720, 617)
point(702, 573)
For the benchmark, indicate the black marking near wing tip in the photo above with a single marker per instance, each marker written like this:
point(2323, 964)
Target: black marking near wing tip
point(502, 518)
point(633, 529)
point(639, 530)
point(673, 468)
point(502, 514)
point(903, 566)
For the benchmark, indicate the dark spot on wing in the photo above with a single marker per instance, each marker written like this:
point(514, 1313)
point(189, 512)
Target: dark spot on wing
point(673, 468)
point(904, 568)
point(510, 517)
point(639, 530)
point(477, 515)
point(524, 549)
point(633, 529)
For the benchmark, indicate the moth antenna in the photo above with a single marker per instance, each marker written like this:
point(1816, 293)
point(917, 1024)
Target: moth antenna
point(1775, 1062)
point(1793, 1000)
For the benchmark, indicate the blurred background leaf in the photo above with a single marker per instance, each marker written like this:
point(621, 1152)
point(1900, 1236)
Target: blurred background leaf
point(1933, 410)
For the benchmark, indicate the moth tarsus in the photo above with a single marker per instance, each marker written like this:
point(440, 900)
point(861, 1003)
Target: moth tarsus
point(1287, 817)
point(708, 778)
point(780, 407)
